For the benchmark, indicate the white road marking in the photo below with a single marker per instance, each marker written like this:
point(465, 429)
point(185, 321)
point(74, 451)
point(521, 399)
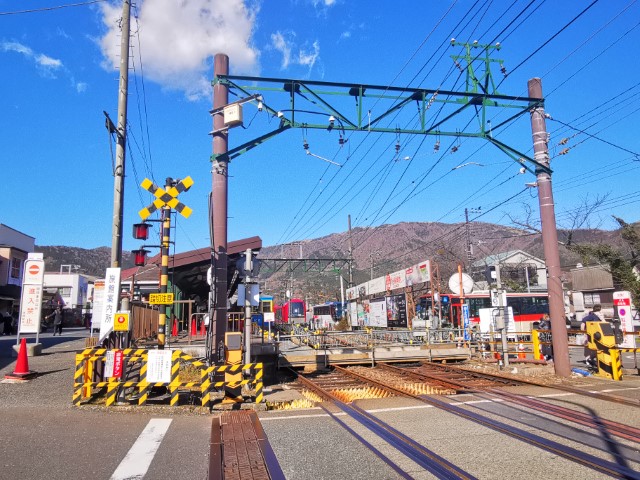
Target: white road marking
point(136, 463)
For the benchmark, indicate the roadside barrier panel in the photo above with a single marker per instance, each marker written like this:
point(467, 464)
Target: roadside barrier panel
point(90, 383)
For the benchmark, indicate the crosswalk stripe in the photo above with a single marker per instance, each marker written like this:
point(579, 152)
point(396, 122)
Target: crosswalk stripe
point(136, 463)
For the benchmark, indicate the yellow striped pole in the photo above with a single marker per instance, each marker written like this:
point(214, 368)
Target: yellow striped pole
point(164, 271)
point(259, 383)
point(175, 378)
point(78, 379)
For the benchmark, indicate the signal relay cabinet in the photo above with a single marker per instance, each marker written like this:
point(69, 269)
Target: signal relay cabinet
point(602, 339)
point(233, 347)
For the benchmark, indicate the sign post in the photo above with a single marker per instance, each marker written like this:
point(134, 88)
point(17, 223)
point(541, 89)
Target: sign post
point(622, 304)
point(31, 296)
point(110, 303)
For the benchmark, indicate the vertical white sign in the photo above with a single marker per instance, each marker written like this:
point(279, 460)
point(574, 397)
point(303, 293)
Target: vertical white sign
point(97, 304)
point(109, 362)
point(159, 366)
point(378, 313)
point(31, 295)
point(110, 302)
point(622, 303)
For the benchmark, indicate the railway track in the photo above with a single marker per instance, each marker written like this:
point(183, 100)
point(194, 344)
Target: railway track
point(480, 382)
point(522, 381)
point(463, 381)
point(427, 459)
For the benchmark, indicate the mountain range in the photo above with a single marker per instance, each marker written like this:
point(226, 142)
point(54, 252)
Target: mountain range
point(376, 251)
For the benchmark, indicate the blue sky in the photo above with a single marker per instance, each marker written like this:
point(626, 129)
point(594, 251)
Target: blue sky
point(60, 72)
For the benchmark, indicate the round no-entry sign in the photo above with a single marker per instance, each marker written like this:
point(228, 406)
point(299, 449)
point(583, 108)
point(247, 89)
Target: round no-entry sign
point(34, 269)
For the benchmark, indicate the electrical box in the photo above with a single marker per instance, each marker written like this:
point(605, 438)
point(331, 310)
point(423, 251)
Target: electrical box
point(232, 115)
point(233, 341)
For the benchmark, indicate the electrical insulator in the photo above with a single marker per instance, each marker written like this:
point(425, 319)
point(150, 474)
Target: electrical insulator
point(454, 149)
point(503, 70)
point(397, 147)
point(341, 140)
point(305, 145)
point(564, 151)
point(563, 141)
point(436, 147)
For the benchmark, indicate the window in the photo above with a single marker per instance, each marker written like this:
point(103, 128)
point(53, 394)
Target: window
point(65, 291)
point(590, 299)
point(16, 265)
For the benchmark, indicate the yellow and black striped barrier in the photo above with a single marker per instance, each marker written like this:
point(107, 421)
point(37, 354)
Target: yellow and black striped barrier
point(86, 388)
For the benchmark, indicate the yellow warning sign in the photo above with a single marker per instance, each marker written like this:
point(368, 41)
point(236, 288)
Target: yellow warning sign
point(161, 298)
point(121, 322)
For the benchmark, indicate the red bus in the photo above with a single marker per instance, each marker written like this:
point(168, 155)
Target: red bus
point(293, 312)
point(527, 308)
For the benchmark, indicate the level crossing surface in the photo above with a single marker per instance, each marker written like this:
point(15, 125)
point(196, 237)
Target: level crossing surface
point(45, 436)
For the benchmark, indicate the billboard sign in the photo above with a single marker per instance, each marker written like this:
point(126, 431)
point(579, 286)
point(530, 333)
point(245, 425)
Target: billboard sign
point(378, 313)
point(377, 285)
point(419, 273)
point(397, 311)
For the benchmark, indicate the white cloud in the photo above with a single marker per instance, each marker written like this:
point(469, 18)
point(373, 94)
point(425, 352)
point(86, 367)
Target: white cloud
point(344, 35)
point(285, 44)
point(309, 57)
point(46, 61)
point(47, 66)
point(179, 39)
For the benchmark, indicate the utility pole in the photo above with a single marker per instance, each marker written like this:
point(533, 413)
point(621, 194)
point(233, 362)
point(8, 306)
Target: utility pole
point(371, 258)
point(219, 185)
point(248, 281)
point(350, 254)
point(549, 233)
point(502, 323)
point(468, 235)
point(121, 134)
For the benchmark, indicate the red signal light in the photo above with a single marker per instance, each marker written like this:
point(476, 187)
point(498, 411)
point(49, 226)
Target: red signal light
point(141, 231)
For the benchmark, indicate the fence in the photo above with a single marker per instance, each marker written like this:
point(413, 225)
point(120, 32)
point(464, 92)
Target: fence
point(90, 381)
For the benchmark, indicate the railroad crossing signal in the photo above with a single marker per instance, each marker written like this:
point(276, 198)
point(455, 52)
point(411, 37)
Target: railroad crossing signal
point(166, 197)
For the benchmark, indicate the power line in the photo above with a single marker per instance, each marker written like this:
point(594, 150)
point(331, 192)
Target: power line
point(596, 137)
point(549, 40)
point(58, 7)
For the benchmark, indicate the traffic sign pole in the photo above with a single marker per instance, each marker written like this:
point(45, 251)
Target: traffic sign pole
point(164, 272)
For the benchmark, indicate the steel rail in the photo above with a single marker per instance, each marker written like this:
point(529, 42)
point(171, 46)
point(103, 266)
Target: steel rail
point(424, 457)
point(600, 396)
point(590, 461)
point(615, 428)
point(620, 430)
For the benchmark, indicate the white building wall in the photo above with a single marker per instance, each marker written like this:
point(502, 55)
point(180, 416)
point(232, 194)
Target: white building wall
point(72, 286)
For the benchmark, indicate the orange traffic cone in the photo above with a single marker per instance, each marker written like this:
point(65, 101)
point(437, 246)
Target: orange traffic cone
point(174, 330)
point(21, 371)
point(193, 326)
point(202, 329)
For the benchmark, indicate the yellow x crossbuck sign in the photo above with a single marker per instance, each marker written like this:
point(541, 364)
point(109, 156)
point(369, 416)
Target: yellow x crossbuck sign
point(166, 197)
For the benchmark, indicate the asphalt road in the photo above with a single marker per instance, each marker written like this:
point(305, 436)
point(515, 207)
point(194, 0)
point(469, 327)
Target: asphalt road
point(45, 436)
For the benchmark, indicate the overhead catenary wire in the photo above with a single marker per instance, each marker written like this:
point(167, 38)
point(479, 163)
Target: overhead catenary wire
point(56, 7)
